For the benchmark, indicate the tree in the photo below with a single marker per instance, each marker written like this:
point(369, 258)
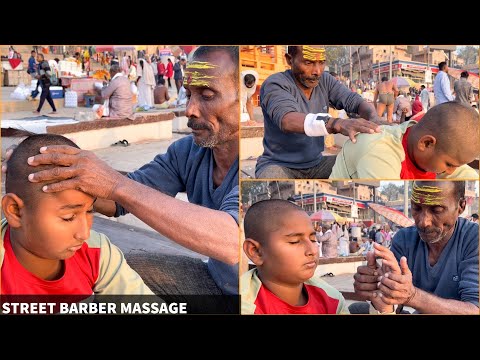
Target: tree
point(337, 55)
point(469, 54)
point(391, 191)
point(250, 190)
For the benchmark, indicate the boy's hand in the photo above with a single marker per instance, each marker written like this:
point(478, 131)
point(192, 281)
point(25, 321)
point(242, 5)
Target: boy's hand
point(366, 278)
point(77, 169)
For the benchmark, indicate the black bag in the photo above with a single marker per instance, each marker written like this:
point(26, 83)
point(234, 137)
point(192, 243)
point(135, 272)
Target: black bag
point(35, 93)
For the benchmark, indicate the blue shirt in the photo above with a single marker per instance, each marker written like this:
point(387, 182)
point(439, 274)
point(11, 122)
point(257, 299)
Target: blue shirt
point(280, 95)
point(188, 167)
point(441, 88)
point(32, 65)
point(455, 275)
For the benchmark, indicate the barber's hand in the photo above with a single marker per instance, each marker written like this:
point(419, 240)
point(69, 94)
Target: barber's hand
point(398, 288)
point(366, 277)
point(8, 153)
point(350, 127)
point(77, 169)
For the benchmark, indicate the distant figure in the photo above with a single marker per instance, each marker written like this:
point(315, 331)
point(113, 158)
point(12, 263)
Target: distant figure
point(417, 106)
point(178, 73)
point(441, 85)
point(43, 75)
point(402, 108)
point(425, 98)
point(463, 89)
point(385, 92)
point(160, 94)
point(474, 218)
point(249, 81)
point(169, 72)
point(119, 94)
point(145, 82)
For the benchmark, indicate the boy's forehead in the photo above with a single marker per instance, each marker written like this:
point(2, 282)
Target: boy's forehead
point(66, 197)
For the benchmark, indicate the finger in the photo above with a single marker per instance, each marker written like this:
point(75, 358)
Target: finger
point(9, 152)
point(389, 293)
point(393, 266)
point(402, 279)
point(62, 149)
point(371, 263)
point(388, 300)
point(365, 286)
point(390, 283)
point(57, 173)
point(404, 266)
point(53, 158)
point(365, 270)
point(366, 278)
point(364, 295)
point(70, 184)
point(351, 135)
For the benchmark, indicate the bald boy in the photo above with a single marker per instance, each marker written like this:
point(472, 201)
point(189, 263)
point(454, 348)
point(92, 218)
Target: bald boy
point(438, 146)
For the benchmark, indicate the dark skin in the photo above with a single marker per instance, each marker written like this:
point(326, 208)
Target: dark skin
point(393, 282)
point(307, 74)
point(211, 111)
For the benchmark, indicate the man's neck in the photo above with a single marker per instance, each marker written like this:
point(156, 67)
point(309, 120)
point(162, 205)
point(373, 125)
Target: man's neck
point(226, 154)
point(45, 269)
point(291, 294)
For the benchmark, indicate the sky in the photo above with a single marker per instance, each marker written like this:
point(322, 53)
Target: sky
point(399, 183)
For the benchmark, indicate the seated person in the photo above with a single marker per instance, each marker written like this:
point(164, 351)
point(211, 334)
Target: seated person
point(438, 146)
point(432, 267)
point(119, 94)
point(402, 108)
point(160, 94)
point(280, 241)
point(46, 247)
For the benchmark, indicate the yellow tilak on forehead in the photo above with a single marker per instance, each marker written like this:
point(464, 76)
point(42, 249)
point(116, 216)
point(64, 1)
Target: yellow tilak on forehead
point(197, 78)
point(427, 195)
point(313, 54)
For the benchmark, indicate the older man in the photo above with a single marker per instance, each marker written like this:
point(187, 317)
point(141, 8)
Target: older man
point(119, 94)
point(205, 165)
point(433, 266)
point(295, 110)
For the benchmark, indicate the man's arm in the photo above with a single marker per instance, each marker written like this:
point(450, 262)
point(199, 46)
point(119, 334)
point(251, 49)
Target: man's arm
point(445, 84)
point(375, 97)
point(107, 91)
point(427, 303)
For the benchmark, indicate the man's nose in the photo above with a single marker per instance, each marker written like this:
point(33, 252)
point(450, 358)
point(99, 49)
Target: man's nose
point(192, 108)
point(317, 68)
point(425, 219)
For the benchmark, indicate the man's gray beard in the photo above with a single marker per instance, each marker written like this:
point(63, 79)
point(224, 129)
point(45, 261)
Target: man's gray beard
point(209, 142)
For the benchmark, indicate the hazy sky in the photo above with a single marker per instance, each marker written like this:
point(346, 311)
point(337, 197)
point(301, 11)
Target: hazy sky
point(399, 183)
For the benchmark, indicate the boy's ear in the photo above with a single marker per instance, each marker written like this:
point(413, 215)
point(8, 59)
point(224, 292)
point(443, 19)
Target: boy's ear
point(426, 142)
point(253, 250)
point(12, 206)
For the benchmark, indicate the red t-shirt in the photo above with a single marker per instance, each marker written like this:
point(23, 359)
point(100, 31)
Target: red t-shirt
point(318, 303)
point(81, 273)
point(409, 170)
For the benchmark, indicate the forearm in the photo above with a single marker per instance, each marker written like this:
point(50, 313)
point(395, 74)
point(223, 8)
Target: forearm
point(249, 106)
point(366, 110)
point(105, 207)
point(427, 303)
point(294, 122)
point(209, 232)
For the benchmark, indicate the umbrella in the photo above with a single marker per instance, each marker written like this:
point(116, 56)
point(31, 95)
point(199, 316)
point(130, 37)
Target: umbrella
point(322, 215)
point(403, 81)
point(391, 214)
point(338, 218)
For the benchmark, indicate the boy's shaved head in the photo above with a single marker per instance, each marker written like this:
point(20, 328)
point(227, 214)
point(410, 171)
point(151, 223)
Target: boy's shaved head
point(16, 181)
point(454, 125)
point(265, 216)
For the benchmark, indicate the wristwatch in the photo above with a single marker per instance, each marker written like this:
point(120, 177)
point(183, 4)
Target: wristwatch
point(327, 119)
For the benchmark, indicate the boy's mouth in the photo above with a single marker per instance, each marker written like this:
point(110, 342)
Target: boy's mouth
point(311, 264)
point(75, 248)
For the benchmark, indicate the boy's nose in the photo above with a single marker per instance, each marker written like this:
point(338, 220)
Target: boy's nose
point(82, 232)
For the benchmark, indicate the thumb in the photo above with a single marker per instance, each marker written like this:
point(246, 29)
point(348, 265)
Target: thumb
point(404, 266)
point(371, 263)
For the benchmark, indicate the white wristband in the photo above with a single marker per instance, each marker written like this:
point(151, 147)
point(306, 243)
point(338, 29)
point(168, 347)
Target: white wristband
point(314, 127)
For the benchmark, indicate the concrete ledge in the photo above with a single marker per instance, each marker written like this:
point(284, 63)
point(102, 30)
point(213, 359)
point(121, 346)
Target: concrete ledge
point(341, 260)
point(9, 106)
point(252, 131)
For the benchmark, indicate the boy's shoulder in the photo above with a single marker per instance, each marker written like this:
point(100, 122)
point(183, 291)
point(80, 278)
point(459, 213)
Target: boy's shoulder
point(323, 285)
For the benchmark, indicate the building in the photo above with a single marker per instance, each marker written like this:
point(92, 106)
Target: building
point(336, 196)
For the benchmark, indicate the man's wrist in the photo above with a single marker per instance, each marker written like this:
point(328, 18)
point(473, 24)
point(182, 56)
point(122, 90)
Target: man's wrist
point(332, 125)
point(314, 124)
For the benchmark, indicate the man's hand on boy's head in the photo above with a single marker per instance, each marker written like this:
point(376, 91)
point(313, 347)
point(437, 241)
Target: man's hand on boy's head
point(78, 169)
point(8, 153)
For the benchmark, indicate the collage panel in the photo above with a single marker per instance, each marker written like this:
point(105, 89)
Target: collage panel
point(120, 191)
point(359, 112)
point(359, 247)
